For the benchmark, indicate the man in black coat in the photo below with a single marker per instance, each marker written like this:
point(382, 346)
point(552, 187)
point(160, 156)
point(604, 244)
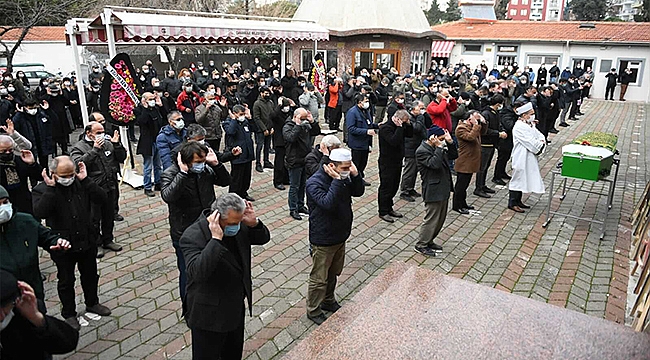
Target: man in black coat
point(26, 332)
point(34, 123)
point(625, 78)
point(319, 155)
point(296, 138)
point(391, 155)
point(15, 173)
point(238, 133)
point(489, 142)
point(541, 75)
point(508, 118)
point(102, 155)
point(150, 120)
point(611, 77)
point(64, 200)
point(217, 249)
point(433, 158)
point(280, 116)
point(188, 189)
point(60, 127)
point(411, 144)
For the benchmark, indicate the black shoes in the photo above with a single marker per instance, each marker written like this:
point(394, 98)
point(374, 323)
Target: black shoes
point(295, 215)
point(333, 307)
point(303, 210)
point(259, 168)
point(118, 217)
point(73, 322)
point(499, 182)
point(100, 252)
point(149, 192)
point(462, 211)
point(406, 197)
point(387, 218)
point(99, 309)
point(564, 124)
point(365, 183)
point(395, 214)
point(487, 190)
point(425, 251)
point(249, 198)
point(506, 176)
point(113, 247)
point(268, 165)
point(317, 319)
point(280, 187)
point(554, 131)
point(482, 194)
point(414, 193)
point(524, 206)
point(470, 207)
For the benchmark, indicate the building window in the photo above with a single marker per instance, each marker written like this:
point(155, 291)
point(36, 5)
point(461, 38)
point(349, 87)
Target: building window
point(636, 65)
point(524, 2)
point(419, 61)
point(584, 63)
point(537, 60)
point(473, 49)
point(553, 3)
point(513, 12)
point(524, 12)
point(515, 2)
point(505, 60)
point(605, 66)
point(330, 59)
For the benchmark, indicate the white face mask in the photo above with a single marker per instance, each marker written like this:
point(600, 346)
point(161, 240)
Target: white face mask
point(399, 101)
point(151, 103)
point(11, 89)
point(286, 109)
point(65, 181)
point(202, 142)
point(4, 92)
point(344, 174)
point(531, 119)
point(6, 212)
point(32, 111)
point(366, 105)
point(180, 124)
point(7, 320)
point(241, 118)
point(188, 89)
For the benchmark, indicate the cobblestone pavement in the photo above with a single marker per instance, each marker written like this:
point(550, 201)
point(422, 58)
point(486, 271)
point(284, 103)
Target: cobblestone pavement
point(565, 264)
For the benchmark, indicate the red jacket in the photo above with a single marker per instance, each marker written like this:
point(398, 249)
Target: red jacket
point(440, 113)
point(185, 101)
point(334, 90)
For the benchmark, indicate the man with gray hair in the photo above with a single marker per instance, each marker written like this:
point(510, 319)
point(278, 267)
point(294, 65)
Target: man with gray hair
point(319, 155)
point(15, 172)
point(217, 249)
point(170, 136)
point(296, 137)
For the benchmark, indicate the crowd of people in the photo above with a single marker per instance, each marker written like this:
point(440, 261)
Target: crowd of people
point(450, 122)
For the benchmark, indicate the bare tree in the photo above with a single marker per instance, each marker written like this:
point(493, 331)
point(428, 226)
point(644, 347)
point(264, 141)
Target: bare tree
point(20, 16)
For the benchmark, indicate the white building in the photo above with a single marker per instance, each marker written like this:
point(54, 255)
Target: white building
point(626, 9)
point(43, 44)
point(601, 46)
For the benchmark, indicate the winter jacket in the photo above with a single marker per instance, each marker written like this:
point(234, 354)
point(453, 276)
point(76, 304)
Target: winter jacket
point(330, 207)
point(392, 109)
point(391, 142)
point(433, 164)
point(150, 120)
point(419, 133)
point(611, 79)
point(262, 111)
point(469, 148)
point(15, 177)
point(458, 115)
point(37, 129)
point(67, 211)
point(626, 78)
point(296, 141)
point(188, 194)
point(554, 72)
point(508, 118)
point(210, 118)
point(349, 93)
point(188, 101)
point(358, 121)
point(239, 134)
point(279, 118)
point(541, 76)
point(166, 141)
point(491, 137)
point(566, 74)
point(315, 160)
point(441, 112)
point(102, 164)
point(335, 95)
point(310, 102)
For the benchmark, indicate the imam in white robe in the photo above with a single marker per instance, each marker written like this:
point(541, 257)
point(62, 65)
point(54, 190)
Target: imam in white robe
point(528, 142)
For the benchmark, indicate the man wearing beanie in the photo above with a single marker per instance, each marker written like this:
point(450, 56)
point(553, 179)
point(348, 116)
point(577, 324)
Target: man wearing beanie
point(433, 158)
point(329, 196)
point(26, 332)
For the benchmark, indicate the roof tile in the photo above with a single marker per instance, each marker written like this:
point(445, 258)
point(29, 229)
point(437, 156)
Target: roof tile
point(38, 33)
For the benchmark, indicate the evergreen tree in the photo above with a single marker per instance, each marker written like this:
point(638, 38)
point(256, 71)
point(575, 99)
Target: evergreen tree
point(501, 9)
point(589, 10)
point(644, 14)
point(434, 15)
point(453, 11)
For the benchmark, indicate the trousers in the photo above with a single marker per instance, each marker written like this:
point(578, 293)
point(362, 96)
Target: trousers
point(262, 142)
point(240, 179)
point(487, 153)
point(152, 163)
point(502, 161)
point(460, 191)
point(609, 92)
point(434, 217)
point(389, 177)
point(87, 265)
point(104, 216)
point(623, 91)
point(280, 173)
point(211, 345)
point(335, 118)
point(327, 264)
point(297, 181)
point(410, 174)
point(182, 271)
point(380, 114)
point(360, 160)
point(514, 198)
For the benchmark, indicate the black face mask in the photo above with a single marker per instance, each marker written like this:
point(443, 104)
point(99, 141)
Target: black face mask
point(6, 157)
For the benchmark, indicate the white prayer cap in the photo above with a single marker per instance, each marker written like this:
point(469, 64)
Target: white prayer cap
point(340, 155)
point(525, 108)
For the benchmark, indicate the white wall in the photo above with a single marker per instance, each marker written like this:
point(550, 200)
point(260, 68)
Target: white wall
point(56, 56)
point(640, 92)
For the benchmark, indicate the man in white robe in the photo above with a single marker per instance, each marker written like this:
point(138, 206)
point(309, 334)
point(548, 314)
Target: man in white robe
point(528, 143)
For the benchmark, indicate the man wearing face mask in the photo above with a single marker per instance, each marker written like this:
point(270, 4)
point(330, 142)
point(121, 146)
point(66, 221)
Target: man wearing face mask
point(329, 195)
point(217, 249)
point(188, 189)
point(92, 97)
point(209, 115)
point(19, 88)
point(169, 137)
point(171, 84)
point(296, 139)
point(528, 143)
point(396, 104)
point(15, 173)
point(489, 141)
point(361, 129)
point(95, 75)
point(262, 112)
point(26, 332)
point(383, 93)
point(60, 127)
point(433, 158)
point(35, 125)
point(102, 155)
point(440, 109)
point(150, 120)
point(281, 114)
point(238, 134)
point(65, 200)
point(187, 102)
point(410, 173)
point(22, 235)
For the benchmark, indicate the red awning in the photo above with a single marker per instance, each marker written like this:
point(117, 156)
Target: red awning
point(441, 48)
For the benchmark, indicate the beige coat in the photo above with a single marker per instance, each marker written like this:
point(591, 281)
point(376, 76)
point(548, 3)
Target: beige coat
point(469, 148)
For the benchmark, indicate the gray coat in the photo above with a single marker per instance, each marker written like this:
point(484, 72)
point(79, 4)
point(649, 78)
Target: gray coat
point(211, 119)
point(433, 164)
point(310, 102)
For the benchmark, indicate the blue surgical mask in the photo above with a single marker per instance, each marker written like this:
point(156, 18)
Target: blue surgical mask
point(198, 167)
point(231, 230)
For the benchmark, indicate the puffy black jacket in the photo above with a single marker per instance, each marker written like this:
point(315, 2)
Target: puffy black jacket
point(279, 118)
point(494, 126)
point(315, 160)
point(382, 95)
point(391, 143)
point(262, 112)
point(188, 194)
point(419, 133)
point(239, 134)
point(508, 118)
point(330, 207)
point(296, 141)
point(67, 211)
point(102, 164)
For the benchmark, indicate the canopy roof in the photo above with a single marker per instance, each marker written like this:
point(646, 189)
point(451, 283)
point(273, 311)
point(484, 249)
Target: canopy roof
point(360, 17)
point(135, 25)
